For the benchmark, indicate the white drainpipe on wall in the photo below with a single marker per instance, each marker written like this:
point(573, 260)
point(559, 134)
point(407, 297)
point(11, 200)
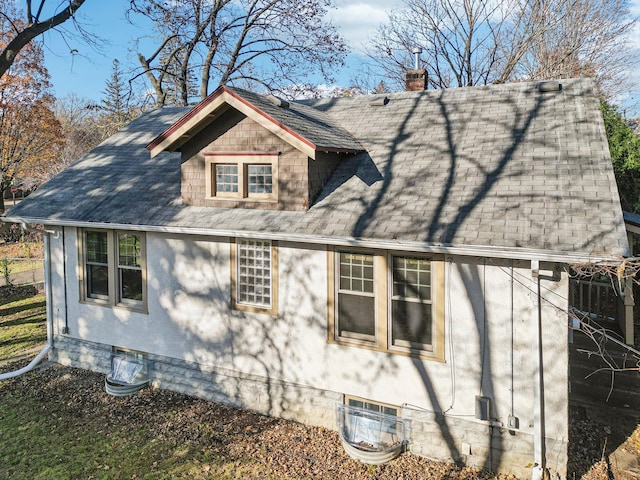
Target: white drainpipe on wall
point(47, 286)
point(539, 461)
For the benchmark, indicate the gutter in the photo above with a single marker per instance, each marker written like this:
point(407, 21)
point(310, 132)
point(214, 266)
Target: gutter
point(398, 245)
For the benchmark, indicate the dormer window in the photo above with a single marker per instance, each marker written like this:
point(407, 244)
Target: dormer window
point(226, 179)
point(238, 176)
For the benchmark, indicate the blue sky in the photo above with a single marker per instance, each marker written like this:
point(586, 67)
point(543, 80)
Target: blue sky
point(76, 68)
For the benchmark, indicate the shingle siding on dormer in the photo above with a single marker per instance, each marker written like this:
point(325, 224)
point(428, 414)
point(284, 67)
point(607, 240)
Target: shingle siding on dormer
point(235, 133)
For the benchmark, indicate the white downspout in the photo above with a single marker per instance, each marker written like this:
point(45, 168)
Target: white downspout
point(28, 368)
point(539, 461)
point(47, 287)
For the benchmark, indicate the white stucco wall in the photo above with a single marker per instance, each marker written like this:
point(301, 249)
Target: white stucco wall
point(488, 330)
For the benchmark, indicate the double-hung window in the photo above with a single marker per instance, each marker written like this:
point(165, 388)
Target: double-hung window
point(254, 276)
point(356, 300)
point(242, 176)
point(96, 264)
point(387, 301)
point(129, 267)
point(411, 306)
point(113, 268)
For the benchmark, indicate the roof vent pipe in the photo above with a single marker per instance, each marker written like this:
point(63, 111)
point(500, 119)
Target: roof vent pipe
point(278, 102)
point(416, 52)
point(549, 86)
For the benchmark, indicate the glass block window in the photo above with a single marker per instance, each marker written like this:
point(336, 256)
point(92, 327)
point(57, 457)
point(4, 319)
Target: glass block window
point(259, 179)
point(130, 266)
point(411, 306)
point(226, 178)
point(356, 300)
point(97, 266)
point(254, 273)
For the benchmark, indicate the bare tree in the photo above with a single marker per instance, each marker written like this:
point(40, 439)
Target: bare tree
point(270, 43)
point(82, 130)
point(474, 42)
point(24, 31)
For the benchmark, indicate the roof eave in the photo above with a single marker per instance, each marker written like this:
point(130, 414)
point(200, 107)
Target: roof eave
point(508, 253)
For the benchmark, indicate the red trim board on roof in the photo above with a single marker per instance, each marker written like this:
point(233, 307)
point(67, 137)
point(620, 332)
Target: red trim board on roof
point(222, 90)
point(240, 154)
point(185, 118)
point(273, 120)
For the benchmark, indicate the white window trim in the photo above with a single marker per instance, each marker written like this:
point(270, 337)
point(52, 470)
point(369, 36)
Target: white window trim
point(242, 160)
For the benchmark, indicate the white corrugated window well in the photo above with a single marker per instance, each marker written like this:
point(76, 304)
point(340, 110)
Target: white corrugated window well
point(129, 373)
point(373, 437)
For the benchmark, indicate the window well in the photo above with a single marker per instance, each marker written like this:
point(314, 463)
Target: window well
point(129, 373)
point(372, 435)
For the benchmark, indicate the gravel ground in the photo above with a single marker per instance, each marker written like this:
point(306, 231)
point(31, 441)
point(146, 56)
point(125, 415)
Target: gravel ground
point(285, 449)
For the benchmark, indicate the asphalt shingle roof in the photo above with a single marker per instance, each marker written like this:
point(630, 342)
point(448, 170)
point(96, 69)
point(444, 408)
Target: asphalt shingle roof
point(496, 167)
point(315, 125)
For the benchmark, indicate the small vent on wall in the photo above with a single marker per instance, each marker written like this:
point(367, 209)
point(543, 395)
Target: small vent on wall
point(278, 102)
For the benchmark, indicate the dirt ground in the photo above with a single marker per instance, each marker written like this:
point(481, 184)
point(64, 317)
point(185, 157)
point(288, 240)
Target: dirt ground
point(290, 450)
point(604, 442)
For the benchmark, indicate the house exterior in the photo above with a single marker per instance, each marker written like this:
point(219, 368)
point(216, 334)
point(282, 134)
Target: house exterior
point(405, 253)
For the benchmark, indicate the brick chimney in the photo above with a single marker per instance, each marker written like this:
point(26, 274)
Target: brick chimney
point(416, 80)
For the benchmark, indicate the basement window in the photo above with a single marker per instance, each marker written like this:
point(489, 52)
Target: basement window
point(129, 372)
point(370, 432)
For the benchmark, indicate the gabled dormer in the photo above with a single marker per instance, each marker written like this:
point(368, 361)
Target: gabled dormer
point(241, 149)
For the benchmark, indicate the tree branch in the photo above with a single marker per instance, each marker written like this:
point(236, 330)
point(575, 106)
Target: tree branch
point(25, 36)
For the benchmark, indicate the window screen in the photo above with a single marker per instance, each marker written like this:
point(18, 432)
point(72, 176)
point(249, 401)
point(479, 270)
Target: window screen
point(97, 264)
point(411, 306)
point(356, 300)
point(129, 266)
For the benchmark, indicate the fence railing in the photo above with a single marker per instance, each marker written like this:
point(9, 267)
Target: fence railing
point(21, 271)
point(597, 298)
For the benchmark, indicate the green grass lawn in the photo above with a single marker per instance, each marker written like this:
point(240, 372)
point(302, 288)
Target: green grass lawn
point(63, 428)
point(22, 320)
point(24, 265)
point(59, 423)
